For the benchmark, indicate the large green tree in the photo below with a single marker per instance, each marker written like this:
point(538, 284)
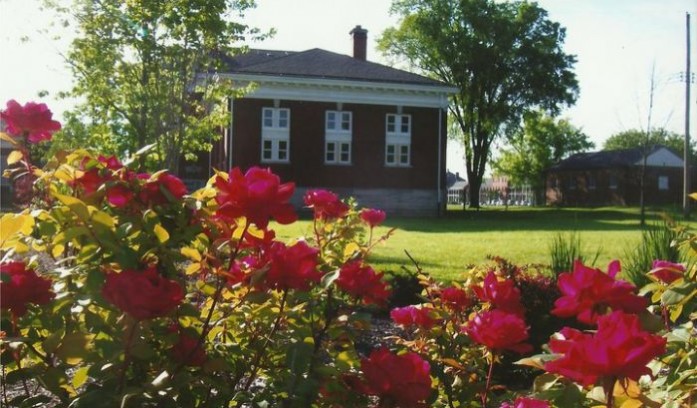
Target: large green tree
point(632, 138)
point(538, 144)
point(505, 58)
point(143, 73)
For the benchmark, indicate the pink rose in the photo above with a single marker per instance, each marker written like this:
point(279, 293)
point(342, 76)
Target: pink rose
point(499, 330)
point(588, 293)
point(620, 348)
point(361, 281)
point(325, 204)
point(33, 120)
point(666, 271)
point(258, 195)
point(373, 217)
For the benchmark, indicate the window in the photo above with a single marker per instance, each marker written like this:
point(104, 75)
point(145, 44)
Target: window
point(663, 182)
point(590, 182)
point(572, 183)
point(612, 183)
point(398, 140)
point(275, 135)
point(337, 136)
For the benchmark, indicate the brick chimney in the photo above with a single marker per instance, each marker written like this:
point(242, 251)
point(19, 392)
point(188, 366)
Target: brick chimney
point(360, 40)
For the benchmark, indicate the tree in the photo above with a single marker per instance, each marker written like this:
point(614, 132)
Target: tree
point(541, 142)
point(504, 57)
point(143, 71)
point(633, 138)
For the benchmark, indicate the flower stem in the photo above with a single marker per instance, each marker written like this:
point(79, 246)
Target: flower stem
point(260, 352)
point(609, 387)
point(488, 380)
point(127, 354)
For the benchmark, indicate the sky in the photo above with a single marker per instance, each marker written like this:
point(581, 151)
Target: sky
point(618, 44)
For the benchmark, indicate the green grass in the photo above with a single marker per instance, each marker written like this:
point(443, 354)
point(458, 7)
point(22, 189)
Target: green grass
point(445, 247)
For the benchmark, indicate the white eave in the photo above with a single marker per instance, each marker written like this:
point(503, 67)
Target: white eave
point(342, 90)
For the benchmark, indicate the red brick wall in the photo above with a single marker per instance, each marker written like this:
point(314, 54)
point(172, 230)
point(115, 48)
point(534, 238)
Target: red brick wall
point(367, 170)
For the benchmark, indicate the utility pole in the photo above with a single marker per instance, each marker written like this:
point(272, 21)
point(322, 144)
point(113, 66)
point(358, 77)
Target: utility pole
point(686, 158)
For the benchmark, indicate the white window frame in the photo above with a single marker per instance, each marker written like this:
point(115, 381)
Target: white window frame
point(663, 183)
point(338, 126)
point(275, 135)
point(398, 140)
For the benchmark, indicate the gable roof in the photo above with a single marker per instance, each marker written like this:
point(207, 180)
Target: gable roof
point(612, 158)
point(320, 64)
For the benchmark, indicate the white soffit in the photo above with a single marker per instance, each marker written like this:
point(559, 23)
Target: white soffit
point(342, 91)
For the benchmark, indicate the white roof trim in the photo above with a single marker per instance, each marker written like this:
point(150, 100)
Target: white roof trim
point(343, 91)
point(662, 157)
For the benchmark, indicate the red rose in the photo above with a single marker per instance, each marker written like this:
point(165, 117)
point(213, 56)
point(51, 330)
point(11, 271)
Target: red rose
point(20, 286)
point(402, 379)
point(160, 190)
point(119, 195)
point(293, 267)
point(620, 348)
point(325, 204)
point(588, 293)
point(503, 295)
point(142, 294)
point(666, 271)
point(373, 217)
point(257, 195)
point(187, 350)
point(413, 316)
point(455, 298)
point(362, 281)
point(111, 162)
point(499, 330)
point(33, 120)
point(523, 402)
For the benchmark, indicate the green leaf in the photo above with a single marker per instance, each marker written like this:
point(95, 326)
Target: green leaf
point(678, 294)
point(74, 347)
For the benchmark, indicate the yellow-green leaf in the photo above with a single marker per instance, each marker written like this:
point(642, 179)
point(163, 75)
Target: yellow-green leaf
point(74, 347)
point(13, 224)
point(161, 233)
point(4, 136)
point(191, 253)
point(14, 157)
point(80, 377)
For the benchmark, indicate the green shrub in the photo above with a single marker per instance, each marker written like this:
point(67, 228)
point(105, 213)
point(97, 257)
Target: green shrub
point(658, 241)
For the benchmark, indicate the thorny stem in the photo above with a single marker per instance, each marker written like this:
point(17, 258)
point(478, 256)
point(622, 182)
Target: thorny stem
point(127, 354)
point(260, 352)
point(16, 355)
point(4, 385)
point(216, 297)
point(488, 379)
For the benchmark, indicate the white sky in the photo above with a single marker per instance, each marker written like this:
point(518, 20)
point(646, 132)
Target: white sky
point(616, 42)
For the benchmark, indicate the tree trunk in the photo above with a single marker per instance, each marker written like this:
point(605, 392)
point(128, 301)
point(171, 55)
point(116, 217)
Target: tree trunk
point(475, 184)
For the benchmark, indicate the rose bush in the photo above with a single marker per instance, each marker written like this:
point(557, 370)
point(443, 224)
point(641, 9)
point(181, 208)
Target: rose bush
point(121, 288)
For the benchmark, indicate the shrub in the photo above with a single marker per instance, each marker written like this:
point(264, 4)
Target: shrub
point(658, 241)
point(565, 249)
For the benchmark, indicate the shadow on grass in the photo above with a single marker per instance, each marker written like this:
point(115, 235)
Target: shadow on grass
point(530, 219)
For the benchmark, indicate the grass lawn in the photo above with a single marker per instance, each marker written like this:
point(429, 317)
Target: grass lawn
point(444, 247)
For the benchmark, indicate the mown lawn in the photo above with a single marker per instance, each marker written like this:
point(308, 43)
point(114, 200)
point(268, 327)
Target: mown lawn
point(445, 247)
